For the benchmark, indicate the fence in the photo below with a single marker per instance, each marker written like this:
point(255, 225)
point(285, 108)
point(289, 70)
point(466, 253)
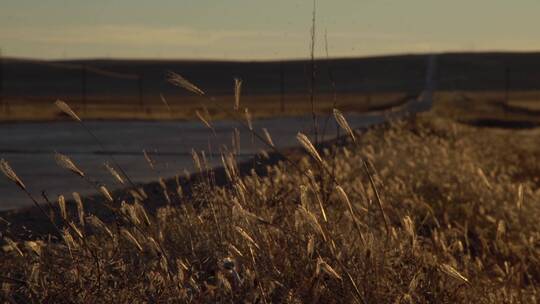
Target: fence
point(140, 83)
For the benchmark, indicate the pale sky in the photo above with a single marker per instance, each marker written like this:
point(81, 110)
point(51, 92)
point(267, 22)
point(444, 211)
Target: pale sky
point(262, 29)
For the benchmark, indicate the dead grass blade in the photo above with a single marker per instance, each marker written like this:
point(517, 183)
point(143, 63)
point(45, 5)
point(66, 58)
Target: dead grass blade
point(308, 146)
point(268, 137)
point(204, 120)
point(115, 174)
point(62, 206)
point(452, 272)
point(165, 102)
point(182, 82)
point(342, 122)
point(64, 107)
point(66, 163)
point(10, 174)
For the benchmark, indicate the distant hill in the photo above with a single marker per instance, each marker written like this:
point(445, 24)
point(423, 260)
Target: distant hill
point(404, 73)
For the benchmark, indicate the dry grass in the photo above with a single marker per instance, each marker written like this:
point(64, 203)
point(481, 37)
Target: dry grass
point(478, 106)
point(185, 107)
point(456, 222)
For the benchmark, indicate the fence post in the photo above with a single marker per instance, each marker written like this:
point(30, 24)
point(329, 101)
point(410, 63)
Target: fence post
point(367, 92)
point(84, 87)
point(4, 107)
point(140, 87)
point(506, 85)
point(281, 87)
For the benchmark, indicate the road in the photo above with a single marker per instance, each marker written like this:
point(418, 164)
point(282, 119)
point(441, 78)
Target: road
point(30, 147)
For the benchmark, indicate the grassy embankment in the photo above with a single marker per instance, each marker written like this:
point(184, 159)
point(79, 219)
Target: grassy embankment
point(440, 213)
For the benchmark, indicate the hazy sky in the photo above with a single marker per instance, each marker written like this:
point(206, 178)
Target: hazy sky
point(257, 29)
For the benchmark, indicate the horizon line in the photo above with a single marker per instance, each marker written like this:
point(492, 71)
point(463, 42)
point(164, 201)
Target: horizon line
point(290, 59)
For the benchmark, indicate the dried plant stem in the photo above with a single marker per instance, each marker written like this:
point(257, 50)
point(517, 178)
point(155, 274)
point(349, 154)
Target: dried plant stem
point(332, 82)
point(10, 174)
point(94, 255)
point(312, 74)
point(379, 201)
point(113, 160)
point(66, 109)
point(345, 199)
point(263, 294)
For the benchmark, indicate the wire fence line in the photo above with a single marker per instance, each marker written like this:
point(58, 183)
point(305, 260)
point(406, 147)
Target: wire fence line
point(75, 66)
point(84, 70)
point(79, 91)
point(141, 82)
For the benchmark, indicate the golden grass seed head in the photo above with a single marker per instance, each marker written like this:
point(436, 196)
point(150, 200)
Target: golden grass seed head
point(10, 174)
point(304, 196)
point(196, 160)
point(142, 192)
point(308, 146)
point(268, 137)
point(452, 272)
point(224, 282)
point(34, 246)
point(162, 183)
point(131, 238)
point(114, 173)
point(345, 199)
point(408, 225)
point(130, 213)
point(62, 206)
point(246, 236)
point(248, 119)
point(342, 122)
point(12, 246)
point(310, 246)
point(311, 219)
point(164, 100)
point(241, 213)
point(204, 120)
point(519, 201)
point(106, 193)
point(96, 223)
point(234, 251)
point(141, 211)
point(76, 230)
point(148, 159)
point(228, 172)
point(136, 195)
point(322, 266)
point(69, 240)
point(64, 107)
point(179, 81)
point(66, 163)
point(80, 207)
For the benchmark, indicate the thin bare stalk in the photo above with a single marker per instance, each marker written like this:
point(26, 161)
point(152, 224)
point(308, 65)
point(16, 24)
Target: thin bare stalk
point(312, 72)
point(66, 109)
point(379, 201)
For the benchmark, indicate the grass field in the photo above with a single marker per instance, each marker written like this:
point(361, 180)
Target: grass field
point(184, 107)
point(490, 107)
point(465, 106)
point(440, 213)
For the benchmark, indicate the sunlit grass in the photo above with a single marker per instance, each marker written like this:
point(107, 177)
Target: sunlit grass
point(461, 209)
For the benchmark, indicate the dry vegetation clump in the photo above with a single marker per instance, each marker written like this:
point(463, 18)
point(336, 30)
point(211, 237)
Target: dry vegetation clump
point(422, 211)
